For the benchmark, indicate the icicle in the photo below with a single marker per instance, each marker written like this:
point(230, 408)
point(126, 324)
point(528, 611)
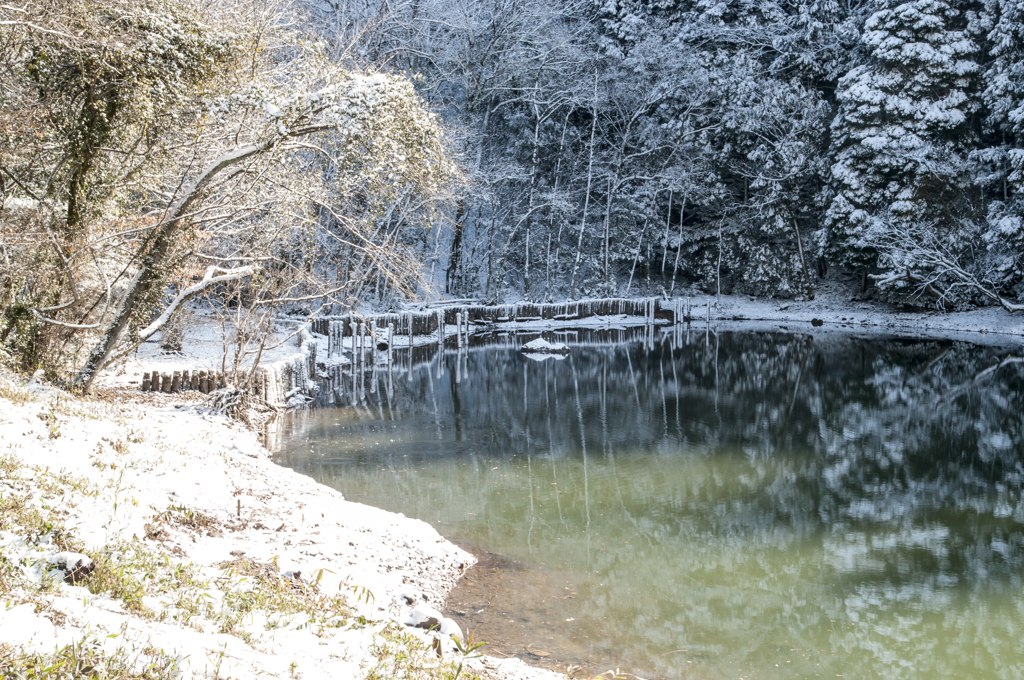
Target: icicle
point(458, 329)
point(391, 343)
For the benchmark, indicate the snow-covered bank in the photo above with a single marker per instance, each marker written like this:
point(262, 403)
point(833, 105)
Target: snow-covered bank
point(832, 310)
point(210, 561)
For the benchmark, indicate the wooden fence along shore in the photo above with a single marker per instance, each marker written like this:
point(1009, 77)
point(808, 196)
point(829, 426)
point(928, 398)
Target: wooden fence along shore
point(181, 381)
point(279, 381)
point(375, 327)
point(275, 383)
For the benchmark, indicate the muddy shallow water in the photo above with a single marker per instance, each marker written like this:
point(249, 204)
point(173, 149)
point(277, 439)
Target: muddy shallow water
point(746, 505)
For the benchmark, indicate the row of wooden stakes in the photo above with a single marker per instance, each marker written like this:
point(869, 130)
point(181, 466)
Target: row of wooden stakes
point(179, 381)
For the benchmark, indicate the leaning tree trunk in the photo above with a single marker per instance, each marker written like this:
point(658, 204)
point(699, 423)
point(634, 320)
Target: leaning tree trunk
point(803, 262)
point(664, 248)
point(139, 286)
point(156, 254)
point(530, 200)
point(586, 196)
point(451, 276)
point(607, 224)
point(679, 245)
point(551, 217)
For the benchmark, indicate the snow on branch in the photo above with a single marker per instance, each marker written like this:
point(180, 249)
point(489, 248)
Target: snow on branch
point(919, 257)
point(212, 277)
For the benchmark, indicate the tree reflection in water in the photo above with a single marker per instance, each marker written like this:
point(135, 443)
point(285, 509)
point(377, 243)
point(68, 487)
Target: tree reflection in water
point(753, 502)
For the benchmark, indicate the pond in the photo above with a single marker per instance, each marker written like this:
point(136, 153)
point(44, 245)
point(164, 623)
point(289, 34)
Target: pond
point(726, 505)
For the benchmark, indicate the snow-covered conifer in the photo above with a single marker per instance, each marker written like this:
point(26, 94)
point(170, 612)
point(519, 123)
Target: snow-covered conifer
point(1001, 162)
point(902, 132)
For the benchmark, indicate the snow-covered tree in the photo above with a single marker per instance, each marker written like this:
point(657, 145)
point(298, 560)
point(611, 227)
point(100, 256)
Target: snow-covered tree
point(264, 173)
point(909, 104)
point(1001, 162)
point(902, 133)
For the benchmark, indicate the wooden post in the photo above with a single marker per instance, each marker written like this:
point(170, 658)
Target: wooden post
point(355, 389)
point(165, 382)
point(204, 383)
point(707, 329)
point(391, 343)
point(145, 382)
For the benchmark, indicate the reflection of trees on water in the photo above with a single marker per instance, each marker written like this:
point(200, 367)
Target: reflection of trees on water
point(863, 496)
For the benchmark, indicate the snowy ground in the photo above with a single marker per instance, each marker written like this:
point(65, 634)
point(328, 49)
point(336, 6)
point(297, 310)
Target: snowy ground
point(204, 348)
point(832, 311)
point(835, 307)
point(209, 560)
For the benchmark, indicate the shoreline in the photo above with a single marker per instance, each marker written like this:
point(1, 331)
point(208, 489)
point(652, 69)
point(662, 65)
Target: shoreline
point(209, 558)
point(831, 307)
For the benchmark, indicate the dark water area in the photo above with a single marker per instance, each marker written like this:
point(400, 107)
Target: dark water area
point(744, 505)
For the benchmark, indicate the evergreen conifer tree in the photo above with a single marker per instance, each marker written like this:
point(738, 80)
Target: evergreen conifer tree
point(901, 134)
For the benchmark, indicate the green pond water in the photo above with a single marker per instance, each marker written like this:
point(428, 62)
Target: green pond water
point(743, 505)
